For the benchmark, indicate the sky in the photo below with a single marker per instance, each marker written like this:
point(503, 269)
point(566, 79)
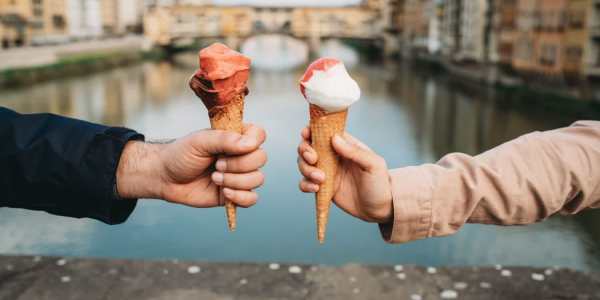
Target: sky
point(289, 2)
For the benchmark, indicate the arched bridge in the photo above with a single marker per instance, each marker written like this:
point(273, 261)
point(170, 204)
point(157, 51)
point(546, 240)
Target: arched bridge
point(168, 25)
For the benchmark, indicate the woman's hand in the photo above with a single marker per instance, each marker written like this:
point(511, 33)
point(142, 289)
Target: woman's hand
point(363, 187)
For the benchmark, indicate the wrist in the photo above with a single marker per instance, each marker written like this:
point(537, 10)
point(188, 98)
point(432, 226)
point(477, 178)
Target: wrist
point(387, 214)
point(138, 173)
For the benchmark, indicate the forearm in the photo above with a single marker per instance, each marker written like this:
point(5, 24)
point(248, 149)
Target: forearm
point(520, 182)
point(62, 166)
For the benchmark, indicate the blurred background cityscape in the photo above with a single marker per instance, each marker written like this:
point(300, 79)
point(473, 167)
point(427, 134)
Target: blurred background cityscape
point(436, 77)
point(547, 39)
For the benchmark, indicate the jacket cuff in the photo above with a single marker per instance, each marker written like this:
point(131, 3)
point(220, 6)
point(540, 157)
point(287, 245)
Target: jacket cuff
point(412, 193)
point(115, 209)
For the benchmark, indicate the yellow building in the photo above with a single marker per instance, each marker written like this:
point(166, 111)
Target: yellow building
point(236, 21)
point(416, 24)
point(109, 13)
point(576, 36)
point(396, 16)
point(180, 22)
point(48, 19)
point(505, 30)
point(25, 21)
point(120, 17)
point(525, 43)
point(14, 16)
point(590, 35)
point(556, 38)
point(339, 22)
point(162, 23)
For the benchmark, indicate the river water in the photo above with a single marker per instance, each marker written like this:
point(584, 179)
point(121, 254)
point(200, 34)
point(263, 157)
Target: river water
point(407, 115)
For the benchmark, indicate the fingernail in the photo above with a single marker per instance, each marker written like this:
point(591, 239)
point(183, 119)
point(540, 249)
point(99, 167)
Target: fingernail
point(221, 165)
point(247, 141)
point(317, 175)
point(228, 192)
point(217, 178)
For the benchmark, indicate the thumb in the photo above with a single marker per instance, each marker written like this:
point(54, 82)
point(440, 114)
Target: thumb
point(354, 152)
point(213, 142)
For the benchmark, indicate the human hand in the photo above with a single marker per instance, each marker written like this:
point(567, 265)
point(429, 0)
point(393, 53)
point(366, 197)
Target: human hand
point(363, 187)
point(184, 170)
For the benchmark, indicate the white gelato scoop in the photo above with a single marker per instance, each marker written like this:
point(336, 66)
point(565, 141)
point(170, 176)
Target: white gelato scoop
point(327, 84)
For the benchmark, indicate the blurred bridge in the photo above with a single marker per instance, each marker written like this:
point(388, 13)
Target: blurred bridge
point(183, 23)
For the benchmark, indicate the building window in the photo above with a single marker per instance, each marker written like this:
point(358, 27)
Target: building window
point(38, 11)
point(548, 55)
point(576, 19)
point(573, 54)
point(58, 21)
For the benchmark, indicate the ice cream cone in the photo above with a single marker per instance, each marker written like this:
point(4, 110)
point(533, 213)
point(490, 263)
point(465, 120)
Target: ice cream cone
point(230, 118)
point(329, 89)
point(221, 85)
point(323, 126)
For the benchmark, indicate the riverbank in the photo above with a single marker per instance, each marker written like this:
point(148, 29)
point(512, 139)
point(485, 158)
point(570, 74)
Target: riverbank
point(25, 277)
point(24, 66)
point(578, 101)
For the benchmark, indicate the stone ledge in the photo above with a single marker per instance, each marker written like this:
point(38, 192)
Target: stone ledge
point(27, 277)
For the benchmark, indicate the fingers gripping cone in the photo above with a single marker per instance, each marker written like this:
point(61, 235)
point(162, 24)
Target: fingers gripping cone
point(323, 127)
point(328, 88)
point(221, 84)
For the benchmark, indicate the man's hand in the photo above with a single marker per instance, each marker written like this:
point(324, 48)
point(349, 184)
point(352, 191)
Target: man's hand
point(363, 187)
point(183, 171)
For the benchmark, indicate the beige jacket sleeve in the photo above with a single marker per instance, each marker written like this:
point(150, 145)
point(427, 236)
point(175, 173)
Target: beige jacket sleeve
point(520, 182)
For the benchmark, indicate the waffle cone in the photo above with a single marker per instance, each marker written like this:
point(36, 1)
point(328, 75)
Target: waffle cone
point(229, 117)
point(323, 127)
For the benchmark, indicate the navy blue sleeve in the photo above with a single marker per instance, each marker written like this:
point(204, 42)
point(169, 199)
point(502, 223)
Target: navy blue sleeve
point(62, 166)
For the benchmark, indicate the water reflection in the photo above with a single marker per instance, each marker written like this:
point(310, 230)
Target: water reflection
point(409, 117)
point(25, 232)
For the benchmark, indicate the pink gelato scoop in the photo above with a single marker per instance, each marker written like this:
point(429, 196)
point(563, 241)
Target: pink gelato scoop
point(222, 76)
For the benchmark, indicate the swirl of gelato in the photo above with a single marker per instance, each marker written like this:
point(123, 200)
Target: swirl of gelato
point(327, 84)
point(223, 74)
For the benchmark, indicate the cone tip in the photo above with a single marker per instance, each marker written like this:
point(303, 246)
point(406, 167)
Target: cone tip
point(321, 238)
